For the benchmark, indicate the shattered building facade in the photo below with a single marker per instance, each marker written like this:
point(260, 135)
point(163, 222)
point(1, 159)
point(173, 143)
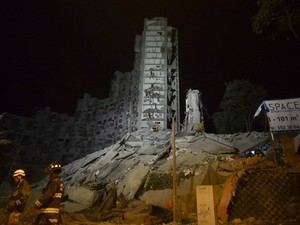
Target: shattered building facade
point(159, 74)
point(146, 97)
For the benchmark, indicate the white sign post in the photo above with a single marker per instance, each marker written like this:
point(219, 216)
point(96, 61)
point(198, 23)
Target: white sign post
point(205, 205)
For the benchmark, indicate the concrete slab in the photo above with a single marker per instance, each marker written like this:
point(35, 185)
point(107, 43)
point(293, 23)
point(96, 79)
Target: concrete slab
point(158, 197)
point(133, 180)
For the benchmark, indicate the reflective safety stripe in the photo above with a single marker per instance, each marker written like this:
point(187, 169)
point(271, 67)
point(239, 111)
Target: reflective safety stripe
point(38, 204)
point(57, 195)
point(53, 220)
point(18, 202)
point(49, 210)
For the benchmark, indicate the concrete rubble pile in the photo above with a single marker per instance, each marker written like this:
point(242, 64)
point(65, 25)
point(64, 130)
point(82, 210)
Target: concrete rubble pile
point(131, 181)
point(137, 171)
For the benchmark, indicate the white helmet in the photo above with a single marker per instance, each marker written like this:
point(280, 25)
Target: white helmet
point(19, 172)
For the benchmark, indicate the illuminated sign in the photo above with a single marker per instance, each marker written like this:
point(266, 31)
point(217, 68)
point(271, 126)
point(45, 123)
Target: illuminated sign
point(282, 115)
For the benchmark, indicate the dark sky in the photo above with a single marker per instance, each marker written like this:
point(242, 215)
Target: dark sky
point(52, 52)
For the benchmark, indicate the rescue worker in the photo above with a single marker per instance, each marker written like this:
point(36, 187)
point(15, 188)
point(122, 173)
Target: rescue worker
point(17, 201)
point(48, 205)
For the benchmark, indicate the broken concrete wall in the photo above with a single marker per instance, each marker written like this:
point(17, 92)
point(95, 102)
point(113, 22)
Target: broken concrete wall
point(193, 114)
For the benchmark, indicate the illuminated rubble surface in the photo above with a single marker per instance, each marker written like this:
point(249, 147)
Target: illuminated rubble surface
point(131, 182)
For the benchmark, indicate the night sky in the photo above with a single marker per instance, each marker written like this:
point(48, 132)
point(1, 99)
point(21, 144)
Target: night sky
point(52, 52)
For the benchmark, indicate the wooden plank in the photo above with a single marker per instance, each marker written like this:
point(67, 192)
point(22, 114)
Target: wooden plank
point(229, 191)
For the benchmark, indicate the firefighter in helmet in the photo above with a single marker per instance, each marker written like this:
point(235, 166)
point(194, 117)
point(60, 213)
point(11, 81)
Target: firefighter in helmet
point(47, 207)
point(17, 201)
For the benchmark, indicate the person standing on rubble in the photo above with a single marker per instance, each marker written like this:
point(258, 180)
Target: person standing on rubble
point(47, 207)
point(18, 200)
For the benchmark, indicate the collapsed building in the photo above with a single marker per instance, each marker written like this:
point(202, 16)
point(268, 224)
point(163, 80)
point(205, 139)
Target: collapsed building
point(146, 97)
point(116, 168)
point(132, 181)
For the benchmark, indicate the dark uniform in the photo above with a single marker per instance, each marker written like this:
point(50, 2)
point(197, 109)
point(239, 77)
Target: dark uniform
point(17, 201)
point(48, 205)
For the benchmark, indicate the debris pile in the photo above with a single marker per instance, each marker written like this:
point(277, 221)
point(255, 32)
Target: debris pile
point(132, 181)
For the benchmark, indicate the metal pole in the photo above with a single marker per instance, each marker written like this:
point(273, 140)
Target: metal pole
point(272, 139)
point(174, 174)
point(273, 148)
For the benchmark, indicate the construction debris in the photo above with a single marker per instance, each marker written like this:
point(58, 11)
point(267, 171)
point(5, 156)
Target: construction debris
point(131, 181)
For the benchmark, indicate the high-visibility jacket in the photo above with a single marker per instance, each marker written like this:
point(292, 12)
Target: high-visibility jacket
point(17, 201)
point(49, 202)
